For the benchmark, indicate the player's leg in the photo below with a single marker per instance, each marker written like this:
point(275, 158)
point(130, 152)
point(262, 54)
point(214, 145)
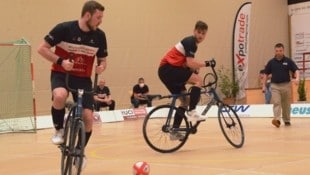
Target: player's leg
point(174, 78)
point(195, 92)
point(59, 97)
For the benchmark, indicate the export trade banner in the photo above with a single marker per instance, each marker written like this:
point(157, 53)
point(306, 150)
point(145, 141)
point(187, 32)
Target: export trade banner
point(241, 47)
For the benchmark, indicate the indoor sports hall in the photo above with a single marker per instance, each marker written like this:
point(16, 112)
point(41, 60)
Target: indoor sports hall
point(241, 38)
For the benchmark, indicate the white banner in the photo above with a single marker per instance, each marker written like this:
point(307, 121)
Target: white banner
point(300, 36)
point(299, 8)
point(241, 47)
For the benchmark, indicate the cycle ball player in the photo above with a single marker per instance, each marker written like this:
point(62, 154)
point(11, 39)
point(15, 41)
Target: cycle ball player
point(81, 40)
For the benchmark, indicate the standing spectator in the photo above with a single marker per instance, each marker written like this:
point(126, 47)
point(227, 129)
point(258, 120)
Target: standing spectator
point(267, 90)
point(103, 97)
point(280, 68)
point(139, 94)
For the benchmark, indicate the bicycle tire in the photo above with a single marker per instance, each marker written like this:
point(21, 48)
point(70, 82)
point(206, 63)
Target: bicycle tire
point(157, 134)
point(74, 145)
point(231, 125)
point(65, 157)
point(78, 143)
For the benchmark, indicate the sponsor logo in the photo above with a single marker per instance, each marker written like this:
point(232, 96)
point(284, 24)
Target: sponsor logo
point(300, 110)
point(127, 112)
point(140, 111)
point(241, 110)
point(241, 41)
point(134, 113)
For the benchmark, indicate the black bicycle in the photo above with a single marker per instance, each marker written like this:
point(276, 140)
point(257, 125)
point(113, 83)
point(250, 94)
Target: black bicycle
point(72, 149)
point(158, 124)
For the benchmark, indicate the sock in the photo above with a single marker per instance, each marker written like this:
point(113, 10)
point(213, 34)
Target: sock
point(178, 117)
point(194, 97)
point(87, 137)
point(58, 117)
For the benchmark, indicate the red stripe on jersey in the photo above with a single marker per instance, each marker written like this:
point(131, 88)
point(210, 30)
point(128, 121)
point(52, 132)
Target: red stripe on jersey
point(83, 57)
point(174, 57)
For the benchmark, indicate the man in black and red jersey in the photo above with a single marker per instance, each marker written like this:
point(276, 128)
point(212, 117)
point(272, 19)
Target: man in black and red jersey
point(178, 67)
point(81, 41)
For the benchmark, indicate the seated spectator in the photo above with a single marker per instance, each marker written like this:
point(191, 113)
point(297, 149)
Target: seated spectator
point(102, 97)
point(139, 94)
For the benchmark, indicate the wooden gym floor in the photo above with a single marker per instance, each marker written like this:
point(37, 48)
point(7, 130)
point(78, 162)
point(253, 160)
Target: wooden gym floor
point(115, 147)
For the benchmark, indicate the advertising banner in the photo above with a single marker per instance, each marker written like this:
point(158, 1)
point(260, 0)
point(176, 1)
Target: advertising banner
point(241, 47)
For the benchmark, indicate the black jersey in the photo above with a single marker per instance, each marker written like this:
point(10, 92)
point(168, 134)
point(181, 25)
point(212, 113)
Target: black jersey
point(102, 92)
point(82, 47)
point(177, 55)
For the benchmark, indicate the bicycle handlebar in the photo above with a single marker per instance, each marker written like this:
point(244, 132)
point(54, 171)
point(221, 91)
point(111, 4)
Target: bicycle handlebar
point(215, 77)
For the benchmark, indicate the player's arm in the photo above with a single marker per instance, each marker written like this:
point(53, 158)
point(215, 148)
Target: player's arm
point(45, 51)
point(194, 64)
point(102, 65)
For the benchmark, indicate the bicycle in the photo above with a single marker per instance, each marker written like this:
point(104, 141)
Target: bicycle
point(158, 124)
point(72, 149)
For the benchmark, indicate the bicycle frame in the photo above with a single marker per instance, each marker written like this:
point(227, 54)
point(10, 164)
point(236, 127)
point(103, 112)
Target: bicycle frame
point(74, 136)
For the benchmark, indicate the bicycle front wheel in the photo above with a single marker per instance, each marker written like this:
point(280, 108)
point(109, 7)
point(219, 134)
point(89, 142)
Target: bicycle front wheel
point(72, 162)
point(158, 130)
point(66, 158)
point(231, 125)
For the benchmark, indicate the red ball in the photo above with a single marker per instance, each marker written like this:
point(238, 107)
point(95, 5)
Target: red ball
point(141, 168)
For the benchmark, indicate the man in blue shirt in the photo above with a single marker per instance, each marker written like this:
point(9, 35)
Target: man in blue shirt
point(280, 68)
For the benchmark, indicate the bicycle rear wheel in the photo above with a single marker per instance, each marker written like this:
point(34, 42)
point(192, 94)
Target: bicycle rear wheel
point(158, 129)
point(231, 125)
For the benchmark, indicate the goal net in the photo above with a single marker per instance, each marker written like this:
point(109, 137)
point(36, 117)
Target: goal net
point(17, 104)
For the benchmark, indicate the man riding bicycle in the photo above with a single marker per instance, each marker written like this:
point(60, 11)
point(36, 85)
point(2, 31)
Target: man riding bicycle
point(178, 67)
point(77, 43)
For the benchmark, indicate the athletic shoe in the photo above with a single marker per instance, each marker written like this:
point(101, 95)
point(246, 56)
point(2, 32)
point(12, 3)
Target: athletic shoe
point(193, 116)
point(175, 135)
point(276, 123)
point(58, 137)
point(287, 123)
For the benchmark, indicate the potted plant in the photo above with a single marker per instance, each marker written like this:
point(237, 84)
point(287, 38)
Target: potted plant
point(228, 86)
point(302, 90)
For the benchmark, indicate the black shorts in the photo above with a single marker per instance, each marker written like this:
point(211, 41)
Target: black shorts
point(174, 78)
point(58, 79)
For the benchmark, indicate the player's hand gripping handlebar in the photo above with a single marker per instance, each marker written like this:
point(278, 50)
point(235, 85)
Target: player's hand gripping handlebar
point(211, 63)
